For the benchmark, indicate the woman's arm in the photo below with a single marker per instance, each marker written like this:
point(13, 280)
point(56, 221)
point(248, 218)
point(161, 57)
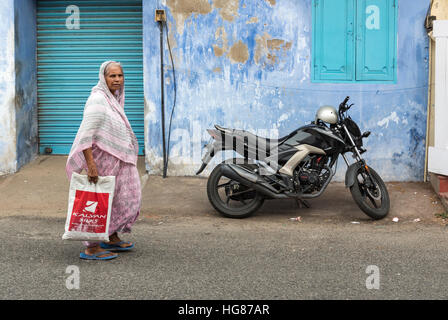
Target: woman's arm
point(92, 171)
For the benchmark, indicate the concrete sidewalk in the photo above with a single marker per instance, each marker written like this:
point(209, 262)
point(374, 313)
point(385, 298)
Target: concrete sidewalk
point(41, 189)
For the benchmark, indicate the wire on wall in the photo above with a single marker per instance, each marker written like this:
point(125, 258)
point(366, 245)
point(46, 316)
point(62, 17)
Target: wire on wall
point(160, 17)
point(174, 99)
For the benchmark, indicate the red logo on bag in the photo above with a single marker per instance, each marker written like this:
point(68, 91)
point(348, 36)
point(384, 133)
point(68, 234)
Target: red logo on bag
point(89, 212)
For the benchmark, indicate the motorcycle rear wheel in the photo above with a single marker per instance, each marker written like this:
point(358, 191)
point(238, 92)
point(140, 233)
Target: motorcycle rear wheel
point(230, 198)
point(373, 201)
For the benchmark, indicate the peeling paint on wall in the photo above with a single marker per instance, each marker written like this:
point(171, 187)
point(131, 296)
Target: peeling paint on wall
point(8, 155)
point(238, 53)
point(228, 9)
point(252, 20)
point(222, 46)
point(269, 51)
point(385, 122)
point(183, 9)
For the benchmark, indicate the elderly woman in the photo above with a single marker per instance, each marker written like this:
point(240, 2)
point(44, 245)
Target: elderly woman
point(105, 145)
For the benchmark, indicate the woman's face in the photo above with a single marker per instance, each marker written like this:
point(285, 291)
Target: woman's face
point(114, 77)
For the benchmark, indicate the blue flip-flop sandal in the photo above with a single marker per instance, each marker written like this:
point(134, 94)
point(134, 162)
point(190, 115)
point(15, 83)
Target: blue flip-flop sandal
point(116, 246)
point(95, 256)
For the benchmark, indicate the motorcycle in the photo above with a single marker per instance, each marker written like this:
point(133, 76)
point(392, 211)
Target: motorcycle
point(298, 166)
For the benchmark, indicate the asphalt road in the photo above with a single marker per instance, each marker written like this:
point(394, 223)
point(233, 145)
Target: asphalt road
point(217, 258)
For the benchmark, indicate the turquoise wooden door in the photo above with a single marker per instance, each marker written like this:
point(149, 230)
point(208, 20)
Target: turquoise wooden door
point(333, 39)
point(375, 41)
point(70, 52)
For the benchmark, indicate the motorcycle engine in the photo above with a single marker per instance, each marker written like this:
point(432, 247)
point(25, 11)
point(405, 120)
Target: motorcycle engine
point(310, 177)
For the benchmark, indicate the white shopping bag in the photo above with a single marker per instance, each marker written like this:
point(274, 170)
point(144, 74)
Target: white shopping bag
point(89, 208)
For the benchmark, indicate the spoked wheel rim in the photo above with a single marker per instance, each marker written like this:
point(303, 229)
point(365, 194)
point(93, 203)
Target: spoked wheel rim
point(234, 195)
point(371, 195)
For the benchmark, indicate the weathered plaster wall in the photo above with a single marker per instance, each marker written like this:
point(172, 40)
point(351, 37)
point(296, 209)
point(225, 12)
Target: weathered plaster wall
point(18, 95)
point(8, 163)
point(26, 89)
point(246, 64)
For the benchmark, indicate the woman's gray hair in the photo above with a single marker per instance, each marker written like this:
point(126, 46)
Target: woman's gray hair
point(111, 64)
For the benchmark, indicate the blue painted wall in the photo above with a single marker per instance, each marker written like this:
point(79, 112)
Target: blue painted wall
point(246, 64)
point(18, 96)
point(26, 90)
point(7, 89)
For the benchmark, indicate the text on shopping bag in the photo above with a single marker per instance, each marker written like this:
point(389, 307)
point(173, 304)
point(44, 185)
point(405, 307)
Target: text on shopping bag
point(89, 212)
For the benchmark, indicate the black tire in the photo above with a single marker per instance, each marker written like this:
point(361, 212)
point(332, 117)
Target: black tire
point(367, 198)
point(254, 199)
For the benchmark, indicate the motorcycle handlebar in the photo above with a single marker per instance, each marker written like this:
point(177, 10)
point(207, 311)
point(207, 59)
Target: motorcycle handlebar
point(343, 106)
point(343, 103)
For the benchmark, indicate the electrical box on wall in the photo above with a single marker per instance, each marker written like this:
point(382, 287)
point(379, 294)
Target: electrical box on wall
point(160, 16)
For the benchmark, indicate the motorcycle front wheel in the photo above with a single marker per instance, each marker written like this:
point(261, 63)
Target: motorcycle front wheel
point(372, 199)
point(230, 198)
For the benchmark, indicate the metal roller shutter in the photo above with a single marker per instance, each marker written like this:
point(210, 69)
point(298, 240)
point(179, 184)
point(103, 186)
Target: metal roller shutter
point(69, 61)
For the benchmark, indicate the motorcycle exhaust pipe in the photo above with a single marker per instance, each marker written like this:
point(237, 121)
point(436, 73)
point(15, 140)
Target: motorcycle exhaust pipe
point(251, 180)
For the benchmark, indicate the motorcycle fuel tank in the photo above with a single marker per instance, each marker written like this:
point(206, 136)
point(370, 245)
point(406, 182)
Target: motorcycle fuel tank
point(316, 136)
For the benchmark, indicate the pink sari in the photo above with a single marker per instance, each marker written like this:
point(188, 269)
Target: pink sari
point(106, 129)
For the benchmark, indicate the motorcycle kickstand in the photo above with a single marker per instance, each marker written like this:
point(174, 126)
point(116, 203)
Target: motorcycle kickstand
point(302, 203)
